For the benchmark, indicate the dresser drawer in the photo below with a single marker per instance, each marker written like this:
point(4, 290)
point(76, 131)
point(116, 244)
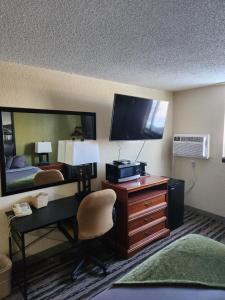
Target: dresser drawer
point(146, 219)
point(137, 236)
point(145, 204)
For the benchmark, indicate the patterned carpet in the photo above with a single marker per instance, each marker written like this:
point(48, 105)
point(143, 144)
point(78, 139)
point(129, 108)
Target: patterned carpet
point(49, 279)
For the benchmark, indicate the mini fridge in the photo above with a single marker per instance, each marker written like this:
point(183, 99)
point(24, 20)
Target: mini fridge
point(175, 203)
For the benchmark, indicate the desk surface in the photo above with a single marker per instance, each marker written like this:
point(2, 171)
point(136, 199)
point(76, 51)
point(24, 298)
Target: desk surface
point(54, 212)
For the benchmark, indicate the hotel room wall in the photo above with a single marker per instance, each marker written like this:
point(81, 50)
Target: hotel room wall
point(31, 128)
point(31, 87)
point(202, 111)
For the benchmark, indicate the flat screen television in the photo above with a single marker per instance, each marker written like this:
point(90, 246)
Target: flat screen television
point(136, 118)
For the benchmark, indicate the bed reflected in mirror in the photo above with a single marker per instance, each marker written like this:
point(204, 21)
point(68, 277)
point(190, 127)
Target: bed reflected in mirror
point(30, 147)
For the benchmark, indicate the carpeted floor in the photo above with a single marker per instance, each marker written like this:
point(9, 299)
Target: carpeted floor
point(50, 277)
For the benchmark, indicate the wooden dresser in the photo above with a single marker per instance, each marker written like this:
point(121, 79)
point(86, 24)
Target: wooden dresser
point(141, 208)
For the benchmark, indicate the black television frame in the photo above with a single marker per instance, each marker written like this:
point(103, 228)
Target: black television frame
point(112, 118)
point(34, 110)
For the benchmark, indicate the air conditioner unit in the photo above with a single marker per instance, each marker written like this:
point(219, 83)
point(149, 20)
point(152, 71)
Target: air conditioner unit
point(191, 145)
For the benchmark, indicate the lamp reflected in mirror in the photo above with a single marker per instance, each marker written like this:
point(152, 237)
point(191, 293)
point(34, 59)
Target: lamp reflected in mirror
point(43, 149)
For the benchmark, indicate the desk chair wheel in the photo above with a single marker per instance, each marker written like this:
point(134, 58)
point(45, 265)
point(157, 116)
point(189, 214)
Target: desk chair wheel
point(76, 272)
point(105, 272)
point(97, 262)
point(74, 277)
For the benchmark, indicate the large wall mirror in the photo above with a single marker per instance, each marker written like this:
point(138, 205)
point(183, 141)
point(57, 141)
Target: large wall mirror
point(29, 144)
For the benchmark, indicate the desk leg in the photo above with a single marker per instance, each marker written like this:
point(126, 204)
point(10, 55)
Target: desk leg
point(10, 246)
point(11, 255)
point(24, 267)
point(75, 230)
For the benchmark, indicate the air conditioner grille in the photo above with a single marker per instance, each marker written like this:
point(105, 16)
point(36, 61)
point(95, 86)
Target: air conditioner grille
point(187, 145)
point(192, 139)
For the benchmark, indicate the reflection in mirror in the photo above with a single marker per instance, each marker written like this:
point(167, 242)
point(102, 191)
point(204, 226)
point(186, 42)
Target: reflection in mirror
point(30, 144)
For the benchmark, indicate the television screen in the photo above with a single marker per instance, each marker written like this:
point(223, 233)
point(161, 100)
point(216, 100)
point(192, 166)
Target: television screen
point(136, 118)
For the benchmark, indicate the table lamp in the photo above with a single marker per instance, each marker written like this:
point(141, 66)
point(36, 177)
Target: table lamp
point(79, 153)
point(43, 149)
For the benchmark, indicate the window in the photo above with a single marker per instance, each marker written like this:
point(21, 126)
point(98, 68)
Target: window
point(223, 158)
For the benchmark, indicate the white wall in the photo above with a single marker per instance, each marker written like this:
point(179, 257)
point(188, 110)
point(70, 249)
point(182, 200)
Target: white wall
point(202, 111)
point(30, 87)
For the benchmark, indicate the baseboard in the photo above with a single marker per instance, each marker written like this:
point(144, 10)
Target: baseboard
point(205, 213)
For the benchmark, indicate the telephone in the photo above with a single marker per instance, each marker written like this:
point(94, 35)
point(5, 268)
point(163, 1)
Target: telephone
point(22, 209)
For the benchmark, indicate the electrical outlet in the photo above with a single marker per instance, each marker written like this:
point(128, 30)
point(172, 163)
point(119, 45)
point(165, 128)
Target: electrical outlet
point(193, 163)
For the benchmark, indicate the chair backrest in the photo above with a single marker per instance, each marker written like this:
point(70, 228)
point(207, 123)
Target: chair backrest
point(94, 214)
point(48, 176)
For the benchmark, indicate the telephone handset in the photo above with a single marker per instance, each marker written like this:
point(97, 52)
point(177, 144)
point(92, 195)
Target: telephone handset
point(22, 209)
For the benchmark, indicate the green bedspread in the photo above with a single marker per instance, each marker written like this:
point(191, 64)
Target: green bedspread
point(191, 260)
point(23, 182)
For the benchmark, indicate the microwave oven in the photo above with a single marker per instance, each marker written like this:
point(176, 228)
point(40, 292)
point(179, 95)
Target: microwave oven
point(123, 172)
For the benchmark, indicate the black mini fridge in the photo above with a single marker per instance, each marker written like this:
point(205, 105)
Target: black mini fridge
point(175, 203)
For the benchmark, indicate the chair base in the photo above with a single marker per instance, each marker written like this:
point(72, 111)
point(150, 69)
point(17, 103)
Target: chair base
point(77, 268)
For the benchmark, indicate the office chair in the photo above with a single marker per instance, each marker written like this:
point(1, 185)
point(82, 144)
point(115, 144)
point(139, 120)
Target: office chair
point(94, 218)
point(48, 176)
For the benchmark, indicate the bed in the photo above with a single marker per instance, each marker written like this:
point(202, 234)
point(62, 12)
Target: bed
point(21, 177)
point(192, 267)
point(161, 293)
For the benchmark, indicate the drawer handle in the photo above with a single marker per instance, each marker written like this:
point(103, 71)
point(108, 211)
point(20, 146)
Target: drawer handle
point(148, 219)
point(146, 204)
point(146, 233)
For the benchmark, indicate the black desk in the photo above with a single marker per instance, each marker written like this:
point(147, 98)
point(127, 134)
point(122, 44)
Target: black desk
point(55, 213)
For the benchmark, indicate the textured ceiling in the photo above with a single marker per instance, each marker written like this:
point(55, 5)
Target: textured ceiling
point(166, 44)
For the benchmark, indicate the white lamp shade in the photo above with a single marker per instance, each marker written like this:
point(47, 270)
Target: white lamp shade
point(77, 153)
point(43, 147)
point(61, 151)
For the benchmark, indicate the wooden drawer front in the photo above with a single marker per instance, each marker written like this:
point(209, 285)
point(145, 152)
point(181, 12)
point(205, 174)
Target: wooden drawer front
point(146, 219)
point(145, 204)
point(146, 232)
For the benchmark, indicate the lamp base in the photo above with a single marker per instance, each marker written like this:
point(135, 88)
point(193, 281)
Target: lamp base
point(80, 195)
point(84, 182)
point(43, 159)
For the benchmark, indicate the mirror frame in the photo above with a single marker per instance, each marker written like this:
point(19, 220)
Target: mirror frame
point(2, 157)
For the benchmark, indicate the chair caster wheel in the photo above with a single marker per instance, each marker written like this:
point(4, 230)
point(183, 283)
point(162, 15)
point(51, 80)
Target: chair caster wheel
point(105, 272)
point(74, 277)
